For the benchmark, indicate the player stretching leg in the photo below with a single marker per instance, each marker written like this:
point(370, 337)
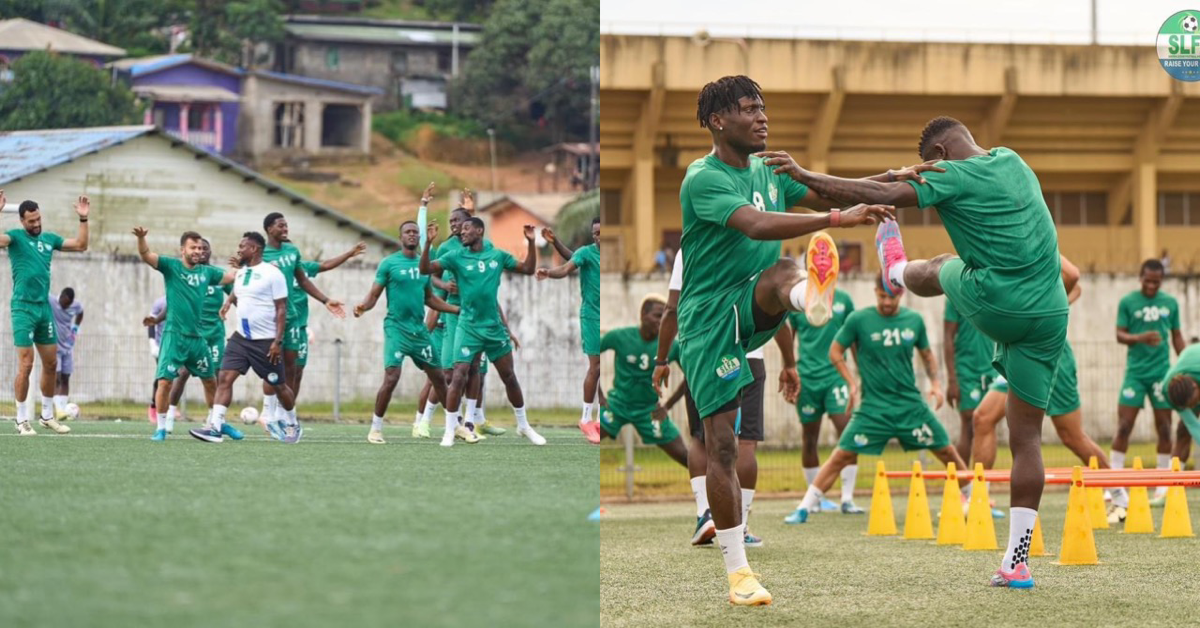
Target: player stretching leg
point(404, 332)
point(68, 316)
point(183, 345)
point(1007, 281)
point(737, 291)
point(30, 251)
point(1145, 319)
point(587, 260)
point(478, 271)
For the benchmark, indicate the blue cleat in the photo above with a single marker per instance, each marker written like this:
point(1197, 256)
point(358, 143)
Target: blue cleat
point(159, 435)
point(595, 516)
point(849, 508)
point(751, 541)
point(231, 431)
point(827, 505)
point(276, 429)
point(206, 434)
point(799, 516)
point(293, 434)
point(997, 513)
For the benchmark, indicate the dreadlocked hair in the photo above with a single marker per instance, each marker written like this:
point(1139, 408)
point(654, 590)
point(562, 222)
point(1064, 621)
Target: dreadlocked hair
point(723, 94)
point(1180, 390)
point(934, 130)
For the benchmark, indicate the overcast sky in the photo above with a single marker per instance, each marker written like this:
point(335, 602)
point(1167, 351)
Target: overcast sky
point(1027, 21)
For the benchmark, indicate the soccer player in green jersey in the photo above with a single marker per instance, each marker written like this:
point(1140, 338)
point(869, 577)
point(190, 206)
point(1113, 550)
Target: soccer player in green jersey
point(1006, 280)
point(632, 399)
point(477, 272)
point(823, 392)
point(404, 331)
point(1145, 319)
point(184, 342)
point(969, 372)
point(1182, 384)
point(737, 291)
point(587, 260)
point(29, 251)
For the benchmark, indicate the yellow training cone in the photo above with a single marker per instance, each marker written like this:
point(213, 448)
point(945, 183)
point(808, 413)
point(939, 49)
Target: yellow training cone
point(917, 524)
point(1078, 544)
point(1037, 547)
point(981, 531)
point(1137, 518)
point(1177, 522)
point(1095, 499)
point(952, 529)
point(882, 522)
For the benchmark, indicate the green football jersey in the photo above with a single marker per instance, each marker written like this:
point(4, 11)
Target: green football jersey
point(1187, 364)
point(718, 258)
point(997, 219)
point(478, 277)
point(813, 342)
point(285, 258)
point(210, 307)
point(1138, 315)
point(297, 297)
point(885, 356)
point(30, 260)
point(587, 260)
point(453, 244)
point(187, 291)
point(405, 286)
point(973, 351)
point(632, 395)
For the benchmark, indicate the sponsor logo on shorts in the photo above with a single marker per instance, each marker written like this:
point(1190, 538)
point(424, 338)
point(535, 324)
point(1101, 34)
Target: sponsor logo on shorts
point(171, 367)
point(975, 394)
point(807, 410)
point(397, 355)
point(861, 440)
point(466, 351)
point(729, 368)
point(1128, 393)
point(272, 377)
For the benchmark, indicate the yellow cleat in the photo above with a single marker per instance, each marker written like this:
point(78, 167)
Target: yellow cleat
point(24, 430)
point(60, 415)
point(55, 426)
point(464, 434)
point(376, 437)
point(420, 429)
point(745, 590)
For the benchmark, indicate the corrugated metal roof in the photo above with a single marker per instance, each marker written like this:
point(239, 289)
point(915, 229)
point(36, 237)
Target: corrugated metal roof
point(21, 34)
point(382, 34)
point(187, 93)
point(316, 82)
point(141, 66)
point(24, 153)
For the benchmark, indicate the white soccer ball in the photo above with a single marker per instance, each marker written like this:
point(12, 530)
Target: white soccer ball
point(72, 410)
point(249, 415)
point(1190, 23)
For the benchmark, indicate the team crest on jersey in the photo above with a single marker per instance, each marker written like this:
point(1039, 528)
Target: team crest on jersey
point(839, 308)
point(1128, 393)
point(1164, 311)
point(397, 355)
point(466, 351)
point(1138, 314)
point(908, 335)
point(876, 337)
point(773, 193)
point(493, 264)
point(807, 410)
point(975, 395)
point(729, 368)
point(631, 359)
point(861, 440)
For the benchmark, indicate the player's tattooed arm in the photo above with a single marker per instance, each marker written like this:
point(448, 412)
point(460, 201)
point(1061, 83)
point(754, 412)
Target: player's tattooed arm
point(529, 265)
point(426, 266)
point(931, 370)
point(370, 301)
point(841, 192)
point(563, 250)
point(558, 272)
point(436, 304)
point(79, 243)
point(837, 356)
point(334, 262)
point(333, 305)
point(147, 256)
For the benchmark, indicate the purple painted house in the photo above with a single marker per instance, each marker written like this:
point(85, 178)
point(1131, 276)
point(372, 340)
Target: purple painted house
point(197, 99)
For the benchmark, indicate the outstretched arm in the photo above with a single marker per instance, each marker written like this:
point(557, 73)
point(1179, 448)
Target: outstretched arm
point(530, 263)
point(79, 243)
point(558, 272)
point(843, 191)
point(334, 262)
point(559, 247)
point(425, 266)
point(759, 225)
point(370, 301)
point(150, 258)
point(333, 305)
point(438, 305)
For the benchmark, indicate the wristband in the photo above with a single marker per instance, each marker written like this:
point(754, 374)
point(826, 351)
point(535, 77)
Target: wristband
point(835, 217)
point(83, 220)
point(661, 363)
point(891, 176)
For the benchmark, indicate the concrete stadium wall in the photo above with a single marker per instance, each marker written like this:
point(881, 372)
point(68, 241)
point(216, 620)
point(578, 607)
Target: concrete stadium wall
point(1092, 334)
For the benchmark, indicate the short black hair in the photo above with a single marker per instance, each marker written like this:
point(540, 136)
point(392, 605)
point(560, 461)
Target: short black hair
point(1152, 265)
point(26, 207)
point(933, 132)
point(270, 220)
point(69, 293)
point(478, 222)
point(461, 209)
point(189, 235)
point(408, 222)
point(1180, 390)
point(723, 94)
point(595, 221)
point(256, 238)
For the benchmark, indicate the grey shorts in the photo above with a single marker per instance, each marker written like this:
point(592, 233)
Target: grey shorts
point(66, 361)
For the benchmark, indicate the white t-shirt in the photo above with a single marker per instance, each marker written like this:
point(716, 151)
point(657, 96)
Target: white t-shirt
point(677, 284)
point(256, 289)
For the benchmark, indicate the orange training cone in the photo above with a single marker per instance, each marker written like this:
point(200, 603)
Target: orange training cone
point(981, 530)
point(1137, 518)
point(1037, 547)
point(917, 524)
point(1177, 523)
point(1078, 544)
point(1095, 499)
point(882, 521)
point(952, 529)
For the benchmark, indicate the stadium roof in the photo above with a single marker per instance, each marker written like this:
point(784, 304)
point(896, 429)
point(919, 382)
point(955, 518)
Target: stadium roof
point(25, 153)
point(21, 34)
point(396, 32)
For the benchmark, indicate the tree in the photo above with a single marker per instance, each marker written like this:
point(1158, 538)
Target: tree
point(229, 30)
point(141, 27)
point(51, 91)
point(575, 220)
point(456, 10)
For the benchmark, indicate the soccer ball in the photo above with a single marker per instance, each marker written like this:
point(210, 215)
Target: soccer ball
point(72, 410)
point(1190, 23)
point(249, 415)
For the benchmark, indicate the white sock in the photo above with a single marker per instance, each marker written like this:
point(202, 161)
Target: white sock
point(377, 423)
point(1164, 461)
point(1020, 533)
point(60, 402)
point(162, 421)
point(291, 417)
point(587, 413)
point(810, 474)
point(29, 413)
point(428, 415)
point(216, 418)
point(172, 412)
point(522, 422)
point(796, 296)
point(1120, 497)
point(469, 415)
point(1116, 459)
point(896, 274)
point(733, 547)
point(451, 421)
point(479, 418)
point(849, 477)
point(21, 414)
point(747, 498)
point(812, 497)
point(48, 411)
point(970, 488)
point(700, 492)
point(270, 405)
point(417, 418)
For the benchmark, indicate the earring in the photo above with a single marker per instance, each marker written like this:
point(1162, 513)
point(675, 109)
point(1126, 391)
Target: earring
point(720, 128)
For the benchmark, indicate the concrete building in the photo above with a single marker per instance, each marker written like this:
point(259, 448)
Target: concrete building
point(508, 215)
point(1112, 138)
point(19, 36)
point(410, 61)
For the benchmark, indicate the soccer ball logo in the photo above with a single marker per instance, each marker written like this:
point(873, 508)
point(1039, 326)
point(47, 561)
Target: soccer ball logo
point(1190, 23)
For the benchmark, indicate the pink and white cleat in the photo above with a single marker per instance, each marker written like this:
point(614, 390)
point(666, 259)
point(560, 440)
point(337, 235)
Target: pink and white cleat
point(891, 252)
point(1018, 578)
point(822, 261)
